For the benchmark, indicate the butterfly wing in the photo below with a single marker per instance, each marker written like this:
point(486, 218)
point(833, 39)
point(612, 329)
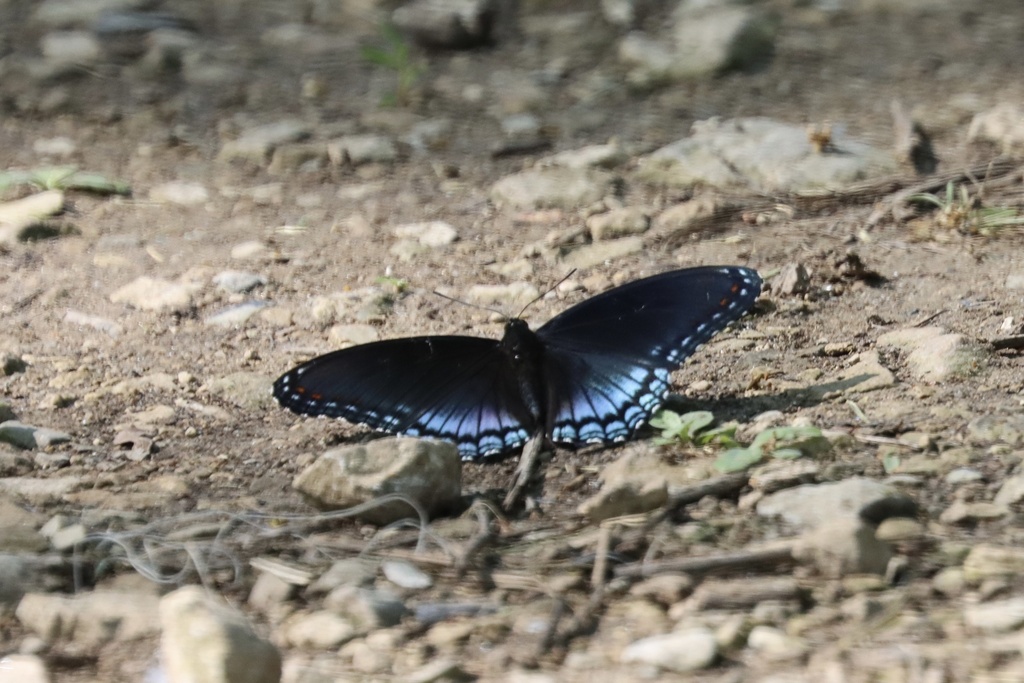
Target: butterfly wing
point(459, 389)
point(608, 359)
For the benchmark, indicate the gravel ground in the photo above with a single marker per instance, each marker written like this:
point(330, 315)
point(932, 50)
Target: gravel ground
point(258, 183)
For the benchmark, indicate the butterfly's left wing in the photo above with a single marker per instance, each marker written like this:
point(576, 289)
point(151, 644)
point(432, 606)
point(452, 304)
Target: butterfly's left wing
point(608, 359)
point(459, 389)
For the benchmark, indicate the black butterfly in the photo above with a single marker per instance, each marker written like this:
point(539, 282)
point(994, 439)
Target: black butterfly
point(592, 374)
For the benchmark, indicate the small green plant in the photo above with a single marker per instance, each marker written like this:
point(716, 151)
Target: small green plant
point(692, 428)
point(781, 443)
point(397, 57)
point(962, 212)
point(63, 178)
point(395, 284)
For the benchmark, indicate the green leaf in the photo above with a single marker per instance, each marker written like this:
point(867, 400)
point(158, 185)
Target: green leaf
point(737, 459)
point(98, 184)
point(787, 453)
point(890, 462)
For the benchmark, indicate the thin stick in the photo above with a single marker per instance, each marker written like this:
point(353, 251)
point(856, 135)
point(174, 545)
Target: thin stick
point(528, 462)
point(483, 537)
point(739, 561)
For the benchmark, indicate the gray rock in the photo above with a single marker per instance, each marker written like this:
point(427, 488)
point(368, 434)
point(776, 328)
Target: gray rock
point(29, 436)
point(524, 126)
point(366, 609)
point(1003, 125)
point(180, 192)
point(204, 640)
point(706, 39)
point(512, 294)
point(775, 644)
point(347, 335)
point(998, 616)
point(250, 251)
point(664, 589)
point(249, 390)
point(813, 505)
point(235, 315)
point(619, 12)
point(900, 529)
point(866, 374)
point(39, 491)
point(986, 561)
point(238, 281)
point(406, 575)
point(17, 577)
point(608, 155)
point(347, 572)
point(1011, 492)
point(68, 537)
point(432, 234)
point(155, 294)
point(297, 156)
point(356, 150)
point(105, 325)
point(987, 429)
point(783, 474)
point(590, 255)
point(628, 497)
point(964, 475)
point(935, 356)
point(551, 188)
point(432, 134)
point(23, 668)
point(19, 217)
point(90, 619)
point(453, 24)
point(70, 47)
point(962, 512)
point(680, 651)
point(321, 630)
point(844, 546)
point(270, 592)
point(429, 472)
point(66, 13)
point(710, 38)
point(18, 529)
point(255, 145)
point(760, 153)
point(629, 220)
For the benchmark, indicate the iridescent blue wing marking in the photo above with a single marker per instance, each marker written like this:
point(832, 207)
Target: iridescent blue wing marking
point(607, 360)
point(460, 389)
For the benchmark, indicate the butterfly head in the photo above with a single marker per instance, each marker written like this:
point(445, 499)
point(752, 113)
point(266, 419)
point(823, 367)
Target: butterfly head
point(520, 344)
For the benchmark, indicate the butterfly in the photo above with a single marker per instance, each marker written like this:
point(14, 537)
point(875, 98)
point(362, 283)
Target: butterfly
point(592, 374)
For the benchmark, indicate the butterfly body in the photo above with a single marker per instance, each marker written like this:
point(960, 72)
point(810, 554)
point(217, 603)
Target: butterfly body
point(593, 374)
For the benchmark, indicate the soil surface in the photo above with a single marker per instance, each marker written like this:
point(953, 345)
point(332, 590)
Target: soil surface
point(326, 231)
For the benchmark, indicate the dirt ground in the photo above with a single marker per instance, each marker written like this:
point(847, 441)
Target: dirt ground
point(944, 61)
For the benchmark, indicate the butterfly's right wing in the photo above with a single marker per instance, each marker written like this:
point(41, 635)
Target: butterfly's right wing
point(459, 389)
point(608, 360)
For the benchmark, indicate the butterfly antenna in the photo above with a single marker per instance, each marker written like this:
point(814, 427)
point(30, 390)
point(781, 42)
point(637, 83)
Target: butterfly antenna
point(546, 292)
point(471, 305)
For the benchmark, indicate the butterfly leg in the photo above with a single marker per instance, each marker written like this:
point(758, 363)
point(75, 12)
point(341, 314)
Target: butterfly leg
point(528, 463)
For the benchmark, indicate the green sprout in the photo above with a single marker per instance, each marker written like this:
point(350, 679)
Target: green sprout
point(397, 57)
point(692, 428)
point(962, 212)
point(780, 443)
point(63, 178)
